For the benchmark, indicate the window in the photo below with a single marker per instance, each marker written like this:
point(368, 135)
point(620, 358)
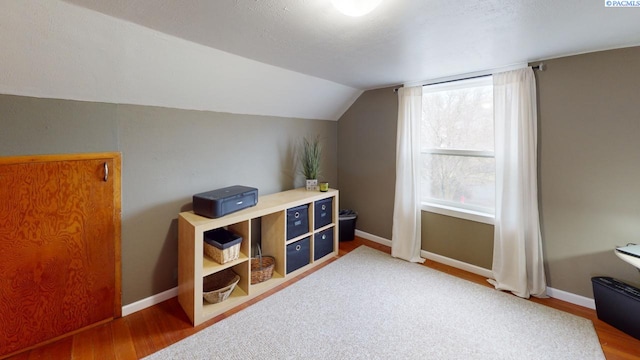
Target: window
point(458, 164)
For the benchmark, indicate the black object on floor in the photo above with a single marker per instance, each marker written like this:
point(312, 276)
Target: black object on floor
point(347, 220)
point(617, 304)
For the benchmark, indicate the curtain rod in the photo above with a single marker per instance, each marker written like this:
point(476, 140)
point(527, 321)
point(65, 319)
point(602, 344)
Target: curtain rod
point(541, 67)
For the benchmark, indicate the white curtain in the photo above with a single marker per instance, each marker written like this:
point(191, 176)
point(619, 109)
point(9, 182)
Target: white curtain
point(517, 253)
point(406, 240)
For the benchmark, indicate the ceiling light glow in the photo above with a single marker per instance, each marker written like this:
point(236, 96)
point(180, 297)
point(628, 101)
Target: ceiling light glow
point(355, 7)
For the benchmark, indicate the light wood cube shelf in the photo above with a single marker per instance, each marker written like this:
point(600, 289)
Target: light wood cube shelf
point(194, 265)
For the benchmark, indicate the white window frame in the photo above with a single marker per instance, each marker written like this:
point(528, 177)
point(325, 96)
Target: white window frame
point(443, 207)
point(477, 216)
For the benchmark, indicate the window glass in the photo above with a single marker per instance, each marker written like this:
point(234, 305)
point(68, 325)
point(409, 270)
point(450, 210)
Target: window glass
point(458, 143)
point(458, 115)
point(463, 181)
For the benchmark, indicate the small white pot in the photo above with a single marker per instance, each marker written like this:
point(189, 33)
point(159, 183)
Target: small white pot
point(312, 184)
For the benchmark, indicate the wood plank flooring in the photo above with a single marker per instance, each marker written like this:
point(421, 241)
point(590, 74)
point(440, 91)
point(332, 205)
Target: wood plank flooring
point(149, 330)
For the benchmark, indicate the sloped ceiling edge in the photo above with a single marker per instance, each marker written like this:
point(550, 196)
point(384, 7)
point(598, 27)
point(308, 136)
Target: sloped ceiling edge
point(58, 50)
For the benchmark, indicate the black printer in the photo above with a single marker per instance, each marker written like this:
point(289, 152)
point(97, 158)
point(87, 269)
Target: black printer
point(220, 202)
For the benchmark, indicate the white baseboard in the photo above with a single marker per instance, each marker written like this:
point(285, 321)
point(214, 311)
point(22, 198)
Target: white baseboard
point(431, 256)
point(150, 301)
point(166, 295)
point(474, 269)
point(551, 292)
point(374, 238)
point(571, 298)
point(554, 293)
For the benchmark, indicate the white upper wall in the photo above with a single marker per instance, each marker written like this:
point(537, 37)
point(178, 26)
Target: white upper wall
point(53, 49)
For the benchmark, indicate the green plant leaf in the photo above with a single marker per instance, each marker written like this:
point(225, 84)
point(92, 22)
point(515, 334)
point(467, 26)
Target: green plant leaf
point(311, 154)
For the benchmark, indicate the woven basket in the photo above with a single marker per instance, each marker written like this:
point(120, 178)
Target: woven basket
point(262, 267)
point(222, 256)
point(217, 287)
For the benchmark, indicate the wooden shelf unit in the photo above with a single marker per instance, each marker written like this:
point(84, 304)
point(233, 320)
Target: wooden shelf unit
point(193, 265)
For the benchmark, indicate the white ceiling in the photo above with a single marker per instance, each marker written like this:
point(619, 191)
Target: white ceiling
point(402, 41)
point(54, 49)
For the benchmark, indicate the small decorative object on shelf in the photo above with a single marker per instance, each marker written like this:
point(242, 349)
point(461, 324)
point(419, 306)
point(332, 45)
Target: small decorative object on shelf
point(324, 186)
point(310, 161)
point(312, 184)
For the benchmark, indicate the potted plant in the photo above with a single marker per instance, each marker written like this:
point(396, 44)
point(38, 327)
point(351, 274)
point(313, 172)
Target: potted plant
point(310, 161)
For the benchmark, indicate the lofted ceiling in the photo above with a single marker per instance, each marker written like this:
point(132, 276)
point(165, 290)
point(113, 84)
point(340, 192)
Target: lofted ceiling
point(401, 41)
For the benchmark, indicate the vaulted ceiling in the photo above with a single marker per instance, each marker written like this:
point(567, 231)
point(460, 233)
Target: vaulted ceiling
point(400, 41)
point(286, 58)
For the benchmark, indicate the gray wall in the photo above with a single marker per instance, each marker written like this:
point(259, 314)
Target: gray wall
point(366, 165)
point(167, 156)
point(366, 171)
point(460, 239)
point(589, 168)
point(42, 126)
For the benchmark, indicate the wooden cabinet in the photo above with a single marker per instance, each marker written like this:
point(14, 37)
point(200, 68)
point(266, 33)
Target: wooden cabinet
point(60, 246)
point(271, 210)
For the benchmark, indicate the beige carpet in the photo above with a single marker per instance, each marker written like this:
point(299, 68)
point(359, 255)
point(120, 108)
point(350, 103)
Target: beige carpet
point(368, 305)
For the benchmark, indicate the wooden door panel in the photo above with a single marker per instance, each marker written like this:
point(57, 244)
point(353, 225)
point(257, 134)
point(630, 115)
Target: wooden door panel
point(57, 248)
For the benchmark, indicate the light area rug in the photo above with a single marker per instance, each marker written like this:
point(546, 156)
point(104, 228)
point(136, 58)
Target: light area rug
point(368, 305)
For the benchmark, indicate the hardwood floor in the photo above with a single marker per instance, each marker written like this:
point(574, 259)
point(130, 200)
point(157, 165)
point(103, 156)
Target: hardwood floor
point(149, 330)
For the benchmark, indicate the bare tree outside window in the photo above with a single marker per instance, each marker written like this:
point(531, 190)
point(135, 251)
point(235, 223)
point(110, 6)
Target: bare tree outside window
point(458, 143)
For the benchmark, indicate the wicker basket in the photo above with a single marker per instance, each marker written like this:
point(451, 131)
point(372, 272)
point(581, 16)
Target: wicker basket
point(217, 287)
point(262, 267)
point(222, 245)
point(222, 256)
